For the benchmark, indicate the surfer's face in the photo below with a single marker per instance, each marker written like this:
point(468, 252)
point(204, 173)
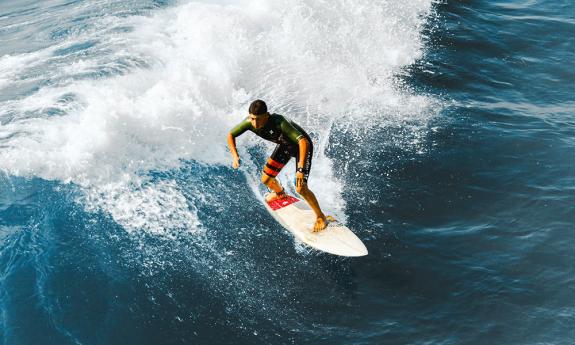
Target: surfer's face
point(258, 121)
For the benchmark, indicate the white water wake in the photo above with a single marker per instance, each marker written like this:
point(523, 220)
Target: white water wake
point(104, 106)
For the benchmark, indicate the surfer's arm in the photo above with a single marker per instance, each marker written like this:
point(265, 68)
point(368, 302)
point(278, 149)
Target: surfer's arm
point(295, 136)
point(303, 147)
point(233, 150)
point(237, 131)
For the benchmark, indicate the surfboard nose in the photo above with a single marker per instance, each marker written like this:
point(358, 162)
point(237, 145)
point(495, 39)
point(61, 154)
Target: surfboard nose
point(298, 218)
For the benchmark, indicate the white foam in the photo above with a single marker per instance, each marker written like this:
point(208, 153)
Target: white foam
point(157, 208)
point(200, 66)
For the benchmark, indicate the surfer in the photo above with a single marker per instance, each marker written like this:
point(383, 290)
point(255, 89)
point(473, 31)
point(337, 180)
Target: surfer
point(292, 141)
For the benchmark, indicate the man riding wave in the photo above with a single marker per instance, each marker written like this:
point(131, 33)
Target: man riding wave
point(291, 141)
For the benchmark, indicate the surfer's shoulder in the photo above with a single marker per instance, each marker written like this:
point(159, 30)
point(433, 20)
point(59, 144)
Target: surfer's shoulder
point(241, 127)
point(277, 118)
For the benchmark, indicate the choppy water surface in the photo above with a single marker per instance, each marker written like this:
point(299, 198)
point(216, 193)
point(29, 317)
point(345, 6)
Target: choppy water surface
point(444, 137)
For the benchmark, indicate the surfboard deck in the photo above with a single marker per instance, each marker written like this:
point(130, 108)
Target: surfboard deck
point(298, 218)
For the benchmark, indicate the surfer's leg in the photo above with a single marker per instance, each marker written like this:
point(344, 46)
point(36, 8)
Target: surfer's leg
point(273, 166)
point(307, 194)
point(271, 183)
point(309, 197)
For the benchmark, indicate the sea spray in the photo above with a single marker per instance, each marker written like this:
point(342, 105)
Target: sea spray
point(135, 94)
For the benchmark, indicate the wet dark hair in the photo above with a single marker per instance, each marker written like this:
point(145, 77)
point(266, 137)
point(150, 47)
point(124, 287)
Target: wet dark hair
point(258, 107)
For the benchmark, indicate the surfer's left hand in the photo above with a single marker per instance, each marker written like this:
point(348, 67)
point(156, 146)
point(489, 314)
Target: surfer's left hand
point(299, 179)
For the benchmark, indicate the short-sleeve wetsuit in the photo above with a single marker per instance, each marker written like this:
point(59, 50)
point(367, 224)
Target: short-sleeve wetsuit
point(286, 135)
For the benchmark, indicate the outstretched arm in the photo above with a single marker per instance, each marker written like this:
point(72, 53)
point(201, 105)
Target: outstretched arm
point(233, 150)
point(235, 132)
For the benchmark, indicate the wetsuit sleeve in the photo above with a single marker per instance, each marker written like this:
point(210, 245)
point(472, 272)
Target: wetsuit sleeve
point(290, 132)
point(241, 128)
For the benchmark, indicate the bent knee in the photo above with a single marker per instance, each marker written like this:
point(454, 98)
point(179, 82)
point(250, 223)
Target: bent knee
point(302, 189)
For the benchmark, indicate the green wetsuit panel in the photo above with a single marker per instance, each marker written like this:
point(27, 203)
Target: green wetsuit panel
point(278, 130)
point(290, 131)
point(241, 128)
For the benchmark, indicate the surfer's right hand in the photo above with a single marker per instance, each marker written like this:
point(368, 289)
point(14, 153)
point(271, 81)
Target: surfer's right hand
point(236, 163)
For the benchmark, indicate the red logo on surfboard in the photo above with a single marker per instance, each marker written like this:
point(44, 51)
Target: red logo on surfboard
point(279, 203)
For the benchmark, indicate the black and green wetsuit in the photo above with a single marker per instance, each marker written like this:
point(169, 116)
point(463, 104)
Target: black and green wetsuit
point(286, 134)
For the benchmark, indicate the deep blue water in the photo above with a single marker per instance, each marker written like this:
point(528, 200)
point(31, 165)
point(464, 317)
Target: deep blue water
point(445, 138)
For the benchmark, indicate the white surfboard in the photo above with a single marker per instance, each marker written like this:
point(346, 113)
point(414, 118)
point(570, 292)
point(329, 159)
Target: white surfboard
point(298, 218)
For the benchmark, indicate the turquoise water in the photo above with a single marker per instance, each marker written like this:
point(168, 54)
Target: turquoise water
point(443, 134)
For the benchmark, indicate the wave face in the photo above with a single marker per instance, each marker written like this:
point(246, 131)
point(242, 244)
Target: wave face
point(108, 101)
point(442, 136)
point(123, 219)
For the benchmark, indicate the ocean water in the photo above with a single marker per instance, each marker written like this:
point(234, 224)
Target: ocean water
point(444, 136)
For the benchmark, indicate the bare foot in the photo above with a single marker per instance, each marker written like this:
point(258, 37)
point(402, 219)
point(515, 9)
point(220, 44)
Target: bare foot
point(275, 196)
point(321, 223)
